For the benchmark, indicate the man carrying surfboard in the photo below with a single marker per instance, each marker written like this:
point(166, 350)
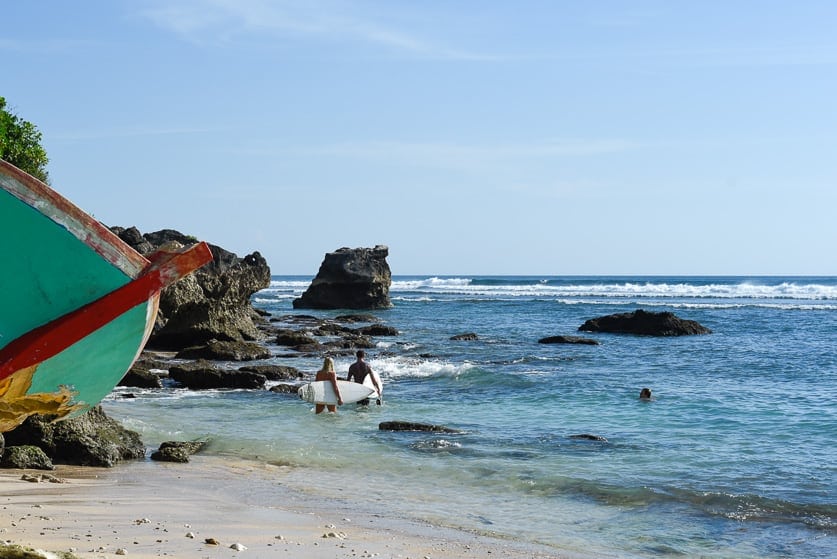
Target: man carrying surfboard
point(359, 370)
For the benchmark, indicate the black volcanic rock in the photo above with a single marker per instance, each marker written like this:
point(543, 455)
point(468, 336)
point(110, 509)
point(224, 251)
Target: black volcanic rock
point(202, 375)
point(211, 303)
point(567, 340)
point(348, 278)
point(645, 323)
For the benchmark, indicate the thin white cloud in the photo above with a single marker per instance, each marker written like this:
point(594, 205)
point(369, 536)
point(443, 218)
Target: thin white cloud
point(221, 21)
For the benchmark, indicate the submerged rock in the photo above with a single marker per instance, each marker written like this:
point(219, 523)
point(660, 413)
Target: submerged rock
point(568, 340)
point(468, 337)
point(410, 426)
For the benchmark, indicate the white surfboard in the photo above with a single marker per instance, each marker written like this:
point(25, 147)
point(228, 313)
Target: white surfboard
point(370, 384)
point(322, 392)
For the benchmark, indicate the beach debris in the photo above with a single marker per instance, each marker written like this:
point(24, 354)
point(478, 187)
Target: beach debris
point(238, 547)
point(211, 541)
point(42, 477)
point(142, 521)
point(279, 537)
point(190, 535)
point(338, 535)
point(122, 551)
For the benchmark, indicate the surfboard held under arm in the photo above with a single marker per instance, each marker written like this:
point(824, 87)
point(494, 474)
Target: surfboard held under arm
point(322, 392)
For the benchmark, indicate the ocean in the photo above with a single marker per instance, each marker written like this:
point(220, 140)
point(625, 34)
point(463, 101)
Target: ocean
point(735, 456)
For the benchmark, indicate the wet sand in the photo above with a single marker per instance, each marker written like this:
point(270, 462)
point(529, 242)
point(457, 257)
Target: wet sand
point(150, 509)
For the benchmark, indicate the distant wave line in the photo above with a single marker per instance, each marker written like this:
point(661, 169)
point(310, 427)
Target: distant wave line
point(541, 287)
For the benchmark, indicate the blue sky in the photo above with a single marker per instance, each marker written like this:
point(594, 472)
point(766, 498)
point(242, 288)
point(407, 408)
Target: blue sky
point(471, 137)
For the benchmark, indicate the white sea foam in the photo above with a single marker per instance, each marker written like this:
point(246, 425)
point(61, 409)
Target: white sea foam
point(401, 367)
point(620, 290)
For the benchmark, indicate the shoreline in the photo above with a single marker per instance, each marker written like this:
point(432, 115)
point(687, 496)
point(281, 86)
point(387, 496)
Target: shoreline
point(152, 509)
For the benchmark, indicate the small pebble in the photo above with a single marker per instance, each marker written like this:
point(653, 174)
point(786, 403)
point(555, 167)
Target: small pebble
point(238, 547)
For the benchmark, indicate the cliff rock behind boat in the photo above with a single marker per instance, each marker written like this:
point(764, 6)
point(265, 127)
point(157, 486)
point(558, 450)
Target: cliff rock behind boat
point(213, 303)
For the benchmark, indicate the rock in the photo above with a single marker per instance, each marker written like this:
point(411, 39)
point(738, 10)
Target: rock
point(26, 457)
point(568, 340)
point(589, 437)
point(92, 439)
point(409, 426)
point(351, 318)
point(285, 389)
point(202, 375)
point(274, 372)
point(377, 330)
point(225, 351)
point(294, 338)
point(469, 337)
point(645, 323)
point(177, 451)
point(139, 376)
point(331, 329)
point(357, 278)
point(211, 303)
point(14, 551)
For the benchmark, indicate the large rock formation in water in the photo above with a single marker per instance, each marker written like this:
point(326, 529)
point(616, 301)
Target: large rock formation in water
point(348, 278)
point(645, 323)
point(212, 303)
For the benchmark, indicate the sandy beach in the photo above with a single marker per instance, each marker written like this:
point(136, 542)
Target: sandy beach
point(148, 510)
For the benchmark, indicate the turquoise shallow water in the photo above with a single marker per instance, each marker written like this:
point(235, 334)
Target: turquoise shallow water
point(735, 457)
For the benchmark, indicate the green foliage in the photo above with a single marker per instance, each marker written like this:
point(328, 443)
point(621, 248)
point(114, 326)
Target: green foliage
point(20, 144)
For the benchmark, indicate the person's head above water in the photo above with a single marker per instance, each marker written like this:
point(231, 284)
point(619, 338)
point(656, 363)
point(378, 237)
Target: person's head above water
point(645, 394)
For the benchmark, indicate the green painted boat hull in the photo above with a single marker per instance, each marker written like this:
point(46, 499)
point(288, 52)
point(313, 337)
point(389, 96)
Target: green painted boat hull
point(56, 260)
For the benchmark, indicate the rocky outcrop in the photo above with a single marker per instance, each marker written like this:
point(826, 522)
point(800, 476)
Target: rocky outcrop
point(348, 278)
point(567, 340)
point(92, 439)
point(645, 323)
point(211, 303)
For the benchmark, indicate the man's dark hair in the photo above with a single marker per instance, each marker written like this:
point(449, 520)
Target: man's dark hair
point(360, 353)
